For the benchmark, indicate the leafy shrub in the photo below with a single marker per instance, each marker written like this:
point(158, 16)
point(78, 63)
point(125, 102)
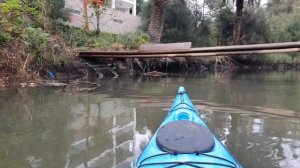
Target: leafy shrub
point(75, 36)
point(4, 37)
point(224, 24)
point(293, 28)
point(18, 14)
point(133, 40)
point(35, 39)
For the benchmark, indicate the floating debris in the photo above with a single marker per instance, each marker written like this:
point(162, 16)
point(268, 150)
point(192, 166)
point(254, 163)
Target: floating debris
point(155, 74)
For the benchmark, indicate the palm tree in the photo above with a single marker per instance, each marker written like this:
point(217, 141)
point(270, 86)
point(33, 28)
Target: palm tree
point(238, 21)
point(157, 20)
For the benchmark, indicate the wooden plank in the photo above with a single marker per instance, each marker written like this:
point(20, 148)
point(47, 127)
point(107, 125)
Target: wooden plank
point(204, 54)
point(200, 50)
point(166, 47)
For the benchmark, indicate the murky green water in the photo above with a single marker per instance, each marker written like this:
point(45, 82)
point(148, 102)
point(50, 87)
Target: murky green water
point(256, 115)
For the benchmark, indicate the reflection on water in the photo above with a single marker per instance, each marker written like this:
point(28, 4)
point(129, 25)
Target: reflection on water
point(255, 115)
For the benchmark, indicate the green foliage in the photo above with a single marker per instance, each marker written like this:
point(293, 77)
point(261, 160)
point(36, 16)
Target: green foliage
point(75, 36)
point(202, 34)
point(216, 5)
point(293, 28)
point(17, 15)
point(57, 10)
point(208, 25)
point(279, 7)
point(35, 39)
point(139, 6)
point(178, 22)
point(181, 24)
point(11, 6)
point(224, 24)
point(145, 15)
point(274, 59)
point(133, 40)
point(4, 37)
point(277, 22)
point(255, 28)
point(104, 40)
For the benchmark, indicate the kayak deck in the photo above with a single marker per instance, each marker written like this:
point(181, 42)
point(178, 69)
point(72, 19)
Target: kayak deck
point(183, 111)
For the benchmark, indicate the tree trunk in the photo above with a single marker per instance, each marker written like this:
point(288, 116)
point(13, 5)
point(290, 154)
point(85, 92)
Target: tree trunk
point(85, 15)
point(238, 22)
point(98, 20)
point(157, 20)
point(98, 28)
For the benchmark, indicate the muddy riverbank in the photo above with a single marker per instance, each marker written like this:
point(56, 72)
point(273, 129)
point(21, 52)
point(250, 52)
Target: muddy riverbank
point(79, 69)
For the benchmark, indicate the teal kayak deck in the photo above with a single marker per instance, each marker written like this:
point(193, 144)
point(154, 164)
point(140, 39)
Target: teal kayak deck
point(154, 156)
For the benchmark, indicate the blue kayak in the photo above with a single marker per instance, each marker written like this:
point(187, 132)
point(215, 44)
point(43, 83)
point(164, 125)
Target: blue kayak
point(183, 140)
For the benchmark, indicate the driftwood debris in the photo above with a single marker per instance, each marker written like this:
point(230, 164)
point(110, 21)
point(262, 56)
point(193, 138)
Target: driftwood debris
point(154, 74)
point(43, 83)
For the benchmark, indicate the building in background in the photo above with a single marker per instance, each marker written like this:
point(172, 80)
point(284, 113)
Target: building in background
point(120, 16)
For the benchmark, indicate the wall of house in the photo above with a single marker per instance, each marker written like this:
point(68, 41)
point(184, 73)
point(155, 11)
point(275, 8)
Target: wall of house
point(118, 21)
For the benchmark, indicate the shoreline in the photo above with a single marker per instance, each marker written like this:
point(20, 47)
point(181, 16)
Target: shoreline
point(81, 70)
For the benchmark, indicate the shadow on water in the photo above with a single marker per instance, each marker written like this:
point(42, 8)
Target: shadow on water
point(256, 115)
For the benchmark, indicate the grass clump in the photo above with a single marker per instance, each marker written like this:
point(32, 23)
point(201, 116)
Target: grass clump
point(103, 41)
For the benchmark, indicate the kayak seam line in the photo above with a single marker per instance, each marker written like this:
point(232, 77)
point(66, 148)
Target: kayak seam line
point(233, 165)
point(192, 108)
point(186, 163)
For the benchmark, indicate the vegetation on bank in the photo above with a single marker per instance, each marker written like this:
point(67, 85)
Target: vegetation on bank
point(83, 40)
point(25, 42)
point(36, 43)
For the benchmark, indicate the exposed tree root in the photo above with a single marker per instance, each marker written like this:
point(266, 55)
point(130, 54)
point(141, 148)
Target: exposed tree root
point(224, 61)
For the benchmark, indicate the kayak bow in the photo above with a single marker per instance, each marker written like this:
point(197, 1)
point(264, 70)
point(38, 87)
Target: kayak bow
point(183, 140)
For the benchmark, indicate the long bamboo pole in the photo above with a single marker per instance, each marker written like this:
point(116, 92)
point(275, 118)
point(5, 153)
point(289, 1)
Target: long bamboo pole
point(270, 46)
point(202, 54)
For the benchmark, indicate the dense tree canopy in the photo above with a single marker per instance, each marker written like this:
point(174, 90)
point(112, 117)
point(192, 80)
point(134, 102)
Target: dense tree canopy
point(216, 22)
point(272, 22)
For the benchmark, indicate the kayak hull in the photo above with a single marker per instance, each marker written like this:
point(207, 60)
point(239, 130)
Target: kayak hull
point(154, 156)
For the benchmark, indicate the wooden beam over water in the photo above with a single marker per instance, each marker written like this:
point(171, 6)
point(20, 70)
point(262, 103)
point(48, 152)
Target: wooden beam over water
point(166, 47)
point(204, 54)
point(271, 48)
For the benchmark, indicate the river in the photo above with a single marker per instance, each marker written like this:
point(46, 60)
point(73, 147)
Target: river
point(255, 114)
